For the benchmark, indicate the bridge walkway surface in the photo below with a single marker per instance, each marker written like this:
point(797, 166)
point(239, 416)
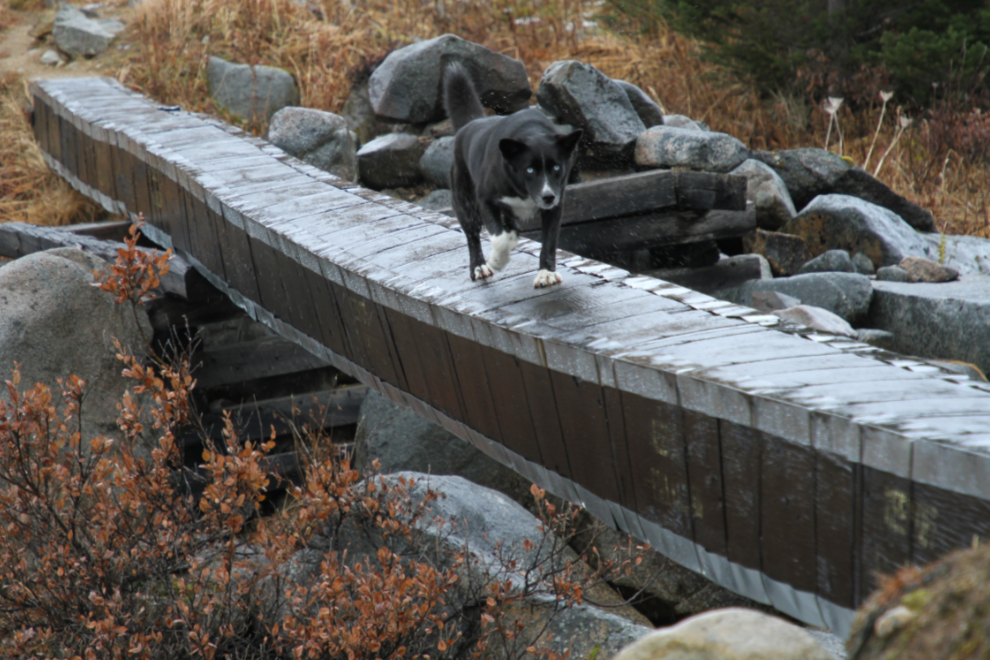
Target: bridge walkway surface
point(788, 467)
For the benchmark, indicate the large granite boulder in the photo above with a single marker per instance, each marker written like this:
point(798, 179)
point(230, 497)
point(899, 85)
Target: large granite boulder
point(437, 160)
point(811, 172)
point(728, 634)
point(407, 86)
point(581, 96)
point(319, 138)
point(649, 111)
point(54, 323)
point(707, 151)
point(252, 92)
point(832, 222)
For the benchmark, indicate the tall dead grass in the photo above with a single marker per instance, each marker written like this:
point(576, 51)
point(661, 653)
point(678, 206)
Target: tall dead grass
point(29, 191)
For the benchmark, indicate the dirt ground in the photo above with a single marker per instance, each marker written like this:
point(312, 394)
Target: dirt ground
point(20, 52)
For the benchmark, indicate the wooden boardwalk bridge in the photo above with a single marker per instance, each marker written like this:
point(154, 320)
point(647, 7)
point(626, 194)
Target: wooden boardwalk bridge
point(788, 467)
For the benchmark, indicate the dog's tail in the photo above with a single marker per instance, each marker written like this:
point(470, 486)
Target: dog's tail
point(459, 97)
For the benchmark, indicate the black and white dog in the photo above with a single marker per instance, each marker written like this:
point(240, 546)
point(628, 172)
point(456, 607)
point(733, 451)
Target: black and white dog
point(506, 170)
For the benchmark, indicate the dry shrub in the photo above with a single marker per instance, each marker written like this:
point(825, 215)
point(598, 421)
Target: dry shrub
point(29, 191)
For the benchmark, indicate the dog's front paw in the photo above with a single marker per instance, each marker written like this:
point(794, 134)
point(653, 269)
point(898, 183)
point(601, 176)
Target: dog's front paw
point(482, 272)
point(546, 278)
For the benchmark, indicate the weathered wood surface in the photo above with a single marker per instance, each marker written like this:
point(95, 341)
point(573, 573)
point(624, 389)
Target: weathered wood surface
point(787, 467)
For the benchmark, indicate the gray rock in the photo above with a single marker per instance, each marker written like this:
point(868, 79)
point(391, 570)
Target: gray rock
point(852, 224)
point(402, 440)
point(390, 161)
point(78, 35)
point(845, 294)
point(829, 261)
point(863, 264)
point(926, 270)
point(662, 146)
point(54, 323)
point(818, 319)
point(406, 86)
point(438, 200)
point(251, 92)
point(728, 634)
point(970, 255)
point(649, 111)
point(768, 194)
point(51, 57)
point(437, 160)
point(859, 183)
point(361, 117)
point(785, 253)
point(771, 301)
point(683, 121)
point(811, 172)
point(948, 320)
point(893, 274)
point(880, 338)
point(319, 138)
point(581, 96)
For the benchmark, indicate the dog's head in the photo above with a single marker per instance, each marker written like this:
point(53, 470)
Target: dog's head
point(540, 166)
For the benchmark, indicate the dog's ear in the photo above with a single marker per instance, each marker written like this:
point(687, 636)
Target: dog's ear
point(569, 141)
point(511, 148)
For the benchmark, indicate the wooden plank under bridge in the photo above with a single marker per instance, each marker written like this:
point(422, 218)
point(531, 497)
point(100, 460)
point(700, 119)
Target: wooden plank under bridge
point(788, 467)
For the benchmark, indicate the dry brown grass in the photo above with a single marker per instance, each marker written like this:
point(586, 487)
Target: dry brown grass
point(29, 191)
point(327, 44)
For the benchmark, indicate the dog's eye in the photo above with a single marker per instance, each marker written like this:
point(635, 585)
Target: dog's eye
point(556, 168)
point(529, 170)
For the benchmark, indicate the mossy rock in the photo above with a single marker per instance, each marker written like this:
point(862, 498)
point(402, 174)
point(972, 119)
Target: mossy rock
point(940, 611)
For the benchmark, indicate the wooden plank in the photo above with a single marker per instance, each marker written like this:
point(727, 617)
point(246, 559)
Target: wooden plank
point(104, 166)
point(652, 230)
point(39, 124)
point(742, 448)
point(620, 448)
point(357, 352)
point(475, 391)
point(365, 326)
point(123, 169)
point(622, 195)
point(238, 260)
point(67, 139)
point(886, 527)
point(18, 239)
point(508, 391)
point(581, 405)
point(266, 270)
point(787, 506)
point(262, 358)
point(546, 421)
point(946, 521)
point(438, 368)
point(408, 355)
point(703, 191)
point(835, 505)
point(655, 435)
point(328, 314)
point(704, 456)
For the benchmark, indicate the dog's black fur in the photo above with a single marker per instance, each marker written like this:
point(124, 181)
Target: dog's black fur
point(506, 169)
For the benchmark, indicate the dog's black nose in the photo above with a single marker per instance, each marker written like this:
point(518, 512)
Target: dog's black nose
point(548, 198)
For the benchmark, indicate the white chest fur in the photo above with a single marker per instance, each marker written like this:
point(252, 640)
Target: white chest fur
point(524, 209)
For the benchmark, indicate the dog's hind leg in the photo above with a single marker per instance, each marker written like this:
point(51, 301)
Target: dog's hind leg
point(469, 216)
point(548, 252)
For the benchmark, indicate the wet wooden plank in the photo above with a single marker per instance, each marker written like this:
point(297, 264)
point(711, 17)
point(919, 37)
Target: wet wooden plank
point(238, 261)
point(123, 169)
point(203, 229)
point(365, 325)
point(546, 421)
point(302, 308)
point(704, 456)
point(944, 521)
point(357, 351)
point(887, 517)
point(620, 448)
point(655, 438)
point(39, 124)
point(742, 449)
point(787, 506)
point(409, 359)
point(68, 141)
point(508, 392)
point(475, 391)
point(583, 421)
point(438, 367)
point(835, 540)
point(327, 312)
point(703, 190)
point(274, 297)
